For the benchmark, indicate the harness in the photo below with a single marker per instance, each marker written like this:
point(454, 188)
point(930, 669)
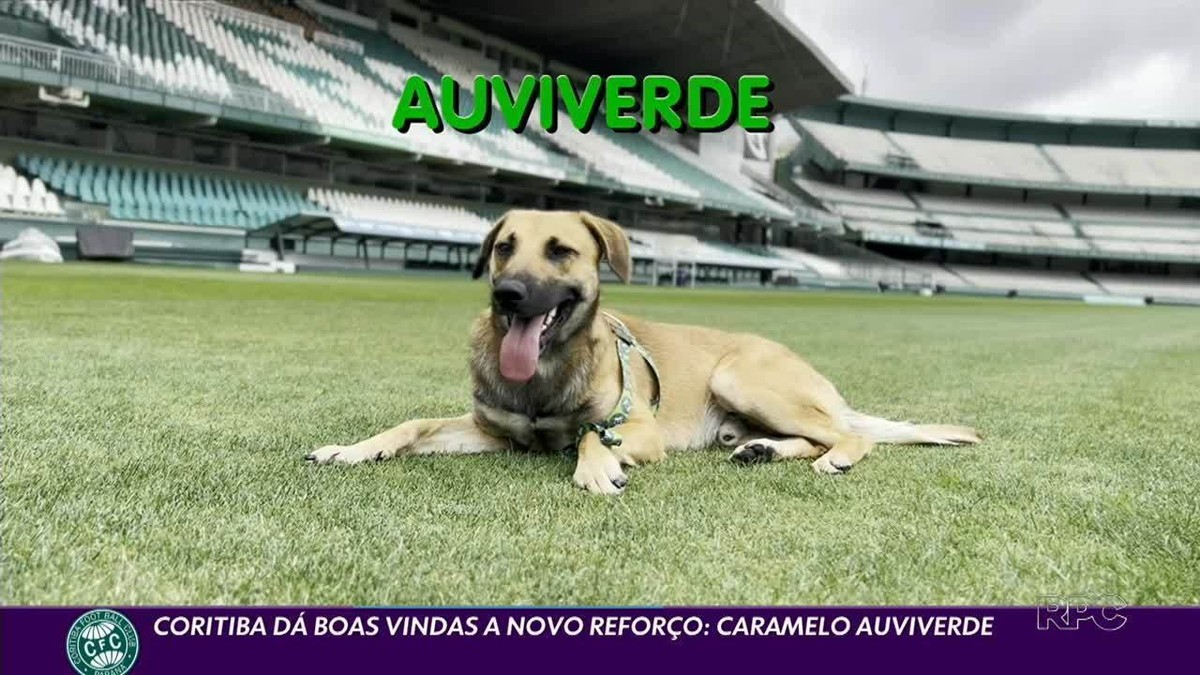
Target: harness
point(605, 428)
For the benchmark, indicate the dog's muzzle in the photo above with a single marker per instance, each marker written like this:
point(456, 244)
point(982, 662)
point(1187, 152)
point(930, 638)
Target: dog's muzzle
point(531, 314)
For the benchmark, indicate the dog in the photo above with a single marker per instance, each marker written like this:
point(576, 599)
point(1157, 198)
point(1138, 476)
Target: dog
point(552, 371)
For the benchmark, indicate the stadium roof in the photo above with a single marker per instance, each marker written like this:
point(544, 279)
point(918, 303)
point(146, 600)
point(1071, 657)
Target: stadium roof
point(727, 38)
point(862, 111)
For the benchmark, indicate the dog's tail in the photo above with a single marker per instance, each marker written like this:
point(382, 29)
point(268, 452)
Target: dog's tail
point(880, 430)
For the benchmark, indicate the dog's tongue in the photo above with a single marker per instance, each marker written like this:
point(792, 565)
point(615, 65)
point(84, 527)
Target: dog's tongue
point(519, 349)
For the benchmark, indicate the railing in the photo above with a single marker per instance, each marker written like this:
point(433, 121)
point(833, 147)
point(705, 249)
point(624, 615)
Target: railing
point(97, 68)
point(75, 63)
point(29, 54)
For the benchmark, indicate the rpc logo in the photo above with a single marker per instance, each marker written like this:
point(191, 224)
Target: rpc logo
point(1070, 611)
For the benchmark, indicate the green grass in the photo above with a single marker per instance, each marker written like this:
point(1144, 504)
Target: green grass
point(155, 422)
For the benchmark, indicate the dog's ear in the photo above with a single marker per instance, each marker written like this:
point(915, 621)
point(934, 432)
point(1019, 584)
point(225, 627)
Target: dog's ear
point(485, 249)
point(614, 244)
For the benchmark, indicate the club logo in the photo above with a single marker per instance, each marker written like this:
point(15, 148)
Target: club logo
point(102, 642)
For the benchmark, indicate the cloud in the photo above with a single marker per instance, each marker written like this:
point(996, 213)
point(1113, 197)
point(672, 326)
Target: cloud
point(1123, 93)
point(1101, 59)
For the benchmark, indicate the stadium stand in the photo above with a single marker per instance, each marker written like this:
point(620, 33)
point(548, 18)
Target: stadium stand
point(992, 224)
point(295, 61)
point(133, 36)
point(401, 211)
point(1025, 281)
point(1158, 288)
point(978, 159)
point(1124, 231)
point(296, 67)
point(853, 145)
point(1001, 280)
point(307, 21)
point(135, 193)
point(425, 57)
point(834, 193)
point(1127, 167)
point(690, 250)
point(211, 128)
point(362, 73)
point(827, 268)
point(1053, 205)
point(949, 221)
point(20, 195)
point(636, 160)
point(203, 200)
point(277, 55)
point(972, 160)
point(1005, 209)
point(941, 276)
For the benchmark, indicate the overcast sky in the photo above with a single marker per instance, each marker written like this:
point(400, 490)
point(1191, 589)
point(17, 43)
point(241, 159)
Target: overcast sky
point(1096, 58)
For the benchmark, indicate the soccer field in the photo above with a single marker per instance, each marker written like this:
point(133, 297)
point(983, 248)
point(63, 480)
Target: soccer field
point(155, 423)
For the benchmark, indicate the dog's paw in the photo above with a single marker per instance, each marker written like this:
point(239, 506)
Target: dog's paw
point(600, 474)
point(730, 432)
point(338, 454)
point(832, 463)
point(755, 452)
point(637, 457)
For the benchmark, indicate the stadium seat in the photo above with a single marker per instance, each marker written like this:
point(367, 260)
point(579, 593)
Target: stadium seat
point(142, 193)
point(408, 212)
point(1028, 226)
point(984, 159)
point(20, 194)
point(1051, 164)
point(1127, 167)
point(1027, 280)
point(137, 37)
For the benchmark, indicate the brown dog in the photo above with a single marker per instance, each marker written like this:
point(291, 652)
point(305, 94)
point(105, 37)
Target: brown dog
point(545, 362)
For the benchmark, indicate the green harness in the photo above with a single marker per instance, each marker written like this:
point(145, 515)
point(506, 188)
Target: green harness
point(606, 429)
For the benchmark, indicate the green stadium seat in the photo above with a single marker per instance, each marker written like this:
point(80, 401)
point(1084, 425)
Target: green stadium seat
point(112, 186)
point(148, 194)
point(100, 184)
point(56, 175)
point(85, 184)
point(70, 181)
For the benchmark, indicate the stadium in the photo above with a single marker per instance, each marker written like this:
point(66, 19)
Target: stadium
point(257, 264)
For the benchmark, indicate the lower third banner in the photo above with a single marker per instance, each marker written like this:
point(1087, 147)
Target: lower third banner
point(1065, 632)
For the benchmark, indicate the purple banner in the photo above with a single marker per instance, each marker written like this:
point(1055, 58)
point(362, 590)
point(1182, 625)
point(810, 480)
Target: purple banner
point(184, 640)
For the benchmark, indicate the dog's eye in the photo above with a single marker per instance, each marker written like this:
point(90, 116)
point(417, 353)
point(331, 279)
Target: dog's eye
point(504, 248)
point(559, 252)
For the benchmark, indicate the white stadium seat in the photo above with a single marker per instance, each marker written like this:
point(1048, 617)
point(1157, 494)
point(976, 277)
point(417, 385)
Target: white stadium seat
point(830, 268)
point(1160, 288)
point(836, 193)
point(19, 194)
point(986, 159)
point(852, 144)
point(947, 204)
point(1045, 281)
point(1128, 167)
point(411, 212)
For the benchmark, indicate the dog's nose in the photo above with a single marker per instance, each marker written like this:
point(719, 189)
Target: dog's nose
point(510, 293)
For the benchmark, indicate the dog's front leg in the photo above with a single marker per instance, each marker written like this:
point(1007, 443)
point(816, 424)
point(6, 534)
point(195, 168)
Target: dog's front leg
point(598, 469)
point(453, 435)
